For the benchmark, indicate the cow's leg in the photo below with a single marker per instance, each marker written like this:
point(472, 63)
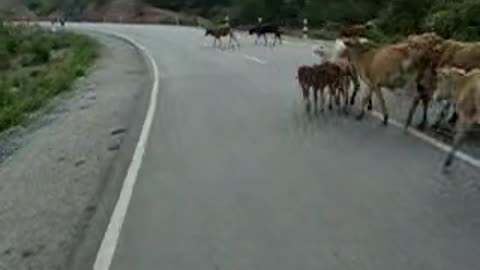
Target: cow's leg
point(412, 110)
point(315, 99)
point(266, 39)
point(345, 98)
point(461, 134)
point(383, 104)
point(442, 115)
point(356, 88)
point(453, 118)
point(364, 103)
point(306, 96)
point(322, 97)
point(425, 103)
point(330, 97)
point(370, 105)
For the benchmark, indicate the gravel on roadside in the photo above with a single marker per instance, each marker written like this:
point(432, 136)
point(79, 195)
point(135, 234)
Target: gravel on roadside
point(53, 170)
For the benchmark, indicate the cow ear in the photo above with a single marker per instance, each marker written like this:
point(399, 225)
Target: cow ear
point(458, 71)
point(363, 40)
point(474, 71)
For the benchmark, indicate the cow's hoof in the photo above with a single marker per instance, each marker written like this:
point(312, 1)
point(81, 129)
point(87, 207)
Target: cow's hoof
point(385, 120)
point(360, 116)
point(422, 126)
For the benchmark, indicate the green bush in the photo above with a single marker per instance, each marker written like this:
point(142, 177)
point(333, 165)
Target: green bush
point(29, 84)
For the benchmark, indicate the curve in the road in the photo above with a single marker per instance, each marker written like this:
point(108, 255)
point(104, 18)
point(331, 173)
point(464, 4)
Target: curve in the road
point(110, 239)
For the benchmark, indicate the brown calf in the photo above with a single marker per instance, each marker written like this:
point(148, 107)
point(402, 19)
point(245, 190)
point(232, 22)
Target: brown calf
point(305, 79)
point(331, 75)
point(466, 95)
point(319, 77)
point(463, 55)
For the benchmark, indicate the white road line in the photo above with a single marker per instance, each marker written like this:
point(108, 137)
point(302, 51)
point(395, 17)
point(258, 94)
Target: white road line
point(110, 240)
point(254, 59)
point(438, 144)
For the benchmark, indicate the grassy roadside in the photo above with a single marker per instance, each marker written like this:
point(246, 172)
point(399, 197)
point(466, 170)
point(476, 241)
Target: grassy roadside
point(35, 66)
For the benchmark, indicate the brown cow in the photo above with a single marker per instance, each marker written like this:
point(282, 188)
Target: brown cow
point(426, 78)
point(222, 31)
point(390, 66)
point(356, 30)
point(466, 94)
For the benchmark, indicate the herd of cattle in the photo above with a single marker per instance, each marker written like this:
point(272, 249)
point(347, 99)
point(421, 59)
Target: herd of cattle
point(441, 70)
point(261, 30)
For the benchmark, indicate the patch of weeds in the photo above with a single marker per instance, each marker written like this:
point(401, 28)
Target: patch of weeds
point(30, 76)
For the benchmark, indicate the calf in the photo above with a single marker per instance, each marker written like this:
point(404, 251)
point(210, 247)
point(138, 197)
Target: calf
point(223, 31)
point(331, 75)
point(264, 29)
point(305, 79)
point(463, 55)
point(466, 95)
point(339, 56)
point(319, 77)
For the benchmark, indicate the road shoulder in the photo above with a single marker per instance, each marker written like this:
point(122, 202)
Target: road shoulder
point(63, 171)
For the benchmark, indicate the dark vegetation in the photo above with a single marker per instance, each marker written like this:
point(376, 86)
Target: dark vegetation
point(36, 65)
point(450, 18)
point(394, 18)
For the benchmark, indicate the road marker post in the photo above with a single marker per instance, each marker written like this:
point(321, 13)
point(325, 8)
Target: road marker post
point(305, 28)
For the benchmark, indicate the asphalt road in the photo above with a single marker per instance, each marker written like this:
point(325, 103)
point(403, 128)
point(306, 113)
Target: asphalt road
point(237, 176)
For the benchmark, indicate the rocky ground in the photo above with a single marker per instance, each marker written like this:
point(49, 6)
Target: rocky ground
point(54, 170)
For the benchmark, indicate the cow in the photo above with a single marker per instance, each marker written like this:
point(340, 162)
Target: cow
point(264, 29)
point(463, 88)
point(223, 31)
point(356, 30)
point(426, 77)
point(390, 66)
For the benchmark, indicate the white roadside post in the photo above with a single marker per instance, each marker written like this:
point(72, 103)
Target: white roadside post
point(305, 28)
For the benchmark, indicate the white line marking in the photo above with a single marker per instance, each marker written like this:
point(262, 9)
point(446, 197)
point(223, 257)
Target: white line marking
point(254, 59)
point(440, 145)
point(110, 240)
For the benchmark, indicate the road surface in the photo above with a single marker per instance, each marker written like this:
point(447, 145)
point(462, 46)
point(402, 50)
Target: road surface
point(237, 176)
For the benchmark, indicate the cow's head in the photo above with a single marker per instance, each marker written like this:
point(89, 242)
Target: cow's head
point(446, 82)
point(358, 46)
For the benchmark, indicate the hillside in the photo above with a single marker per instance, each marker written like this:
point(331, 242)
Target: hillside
point(96, 10)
